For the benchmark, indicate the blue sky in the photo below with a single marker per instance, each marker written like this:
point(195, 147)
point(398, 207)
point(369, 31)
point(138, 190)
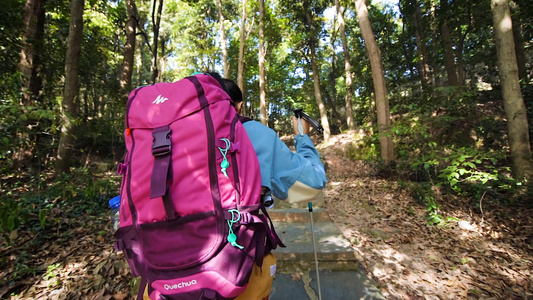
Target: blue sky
point(391, 3)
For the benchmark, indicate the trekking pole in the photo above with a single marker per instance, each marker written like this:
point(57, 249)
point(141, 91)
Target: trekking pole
point(299, 113)
point(310, 205)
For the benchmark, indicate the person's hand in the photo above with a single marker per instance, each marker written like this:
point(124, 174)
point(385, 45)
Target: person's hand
point(305, 126)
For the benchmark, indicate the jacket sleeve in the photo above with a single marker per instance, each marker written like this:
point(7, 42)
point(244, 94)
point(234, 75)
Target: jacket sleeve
point(290, 176)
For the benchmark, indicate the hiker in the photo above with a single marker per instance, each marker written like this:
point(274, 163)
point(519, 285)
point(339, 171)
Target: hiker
point(294, 177)
point(192, 221)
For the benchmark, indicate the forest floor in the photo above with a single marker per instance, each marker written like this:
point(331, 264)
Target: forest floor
point(489, 255)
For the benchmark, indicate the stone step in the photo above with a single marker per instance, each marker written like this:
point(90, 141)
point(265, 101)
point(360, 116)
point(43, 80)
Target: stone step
point(337, 285)
point(299, 212)
point(333, 249)
point(318, 202)
point(298, 215)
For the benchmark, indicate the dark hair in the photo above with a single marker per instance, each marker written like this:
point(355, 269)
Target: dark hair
point(233, 90)
point(229, 87)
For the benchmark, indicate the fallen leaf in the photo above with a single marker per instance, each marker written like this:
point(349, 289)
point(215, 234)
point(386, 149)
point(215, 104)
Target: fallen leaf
point(296, 276)
point(120, 296)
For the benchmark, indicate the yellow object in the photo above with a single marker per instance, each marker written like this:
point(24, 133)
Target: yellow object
point(261, 280)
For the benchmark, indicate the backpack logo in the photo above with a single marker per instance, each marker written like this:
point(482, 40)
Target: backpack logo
point(180, 285)
point(160, 99)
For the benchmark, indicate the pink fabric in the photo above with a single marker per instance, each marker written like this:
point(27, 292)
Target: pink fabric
point(189, 150)
point(178, 246)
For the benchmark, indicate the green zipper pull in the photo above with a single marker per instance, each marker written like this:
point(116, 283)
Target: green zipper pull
point(224, 165)
point(232, 238)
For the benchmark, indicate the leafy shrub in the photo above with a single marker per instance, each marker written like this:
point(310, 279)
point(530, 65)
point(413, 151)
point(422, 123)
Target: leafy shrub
point(424, 195)
point(467, 166)
point(454, 141)
point(11, 217)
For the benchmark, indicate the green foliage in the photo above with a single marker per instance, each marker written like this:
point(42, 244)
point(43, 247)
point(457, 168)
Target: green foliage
point(42, 218)
point(75, 195)
point(465, 171)
point(424, 194)
point(22, 270)
point(10, 214)
point(51, 274)
point(10, 28)
point(466, 165)
point(360, 151)
point(454, 142)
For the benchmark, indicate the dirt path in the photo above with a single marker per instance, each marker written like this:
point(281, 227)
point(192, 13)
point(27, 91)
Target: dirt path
point(490, 257)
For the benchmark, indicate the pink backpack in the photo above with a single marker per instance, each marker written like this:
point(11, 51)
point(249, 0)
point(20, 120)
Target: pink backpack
point(192, 223)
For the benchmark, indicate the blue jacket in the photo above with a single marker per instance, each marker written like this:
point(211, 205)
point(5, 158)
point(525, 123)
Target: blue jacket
point(290, 176)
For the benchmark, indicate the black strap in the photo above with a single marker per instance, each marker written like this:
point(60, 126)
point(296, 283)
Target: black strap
point(162, 170)
point(208, 294)
point(161, 150)
point(272, 230)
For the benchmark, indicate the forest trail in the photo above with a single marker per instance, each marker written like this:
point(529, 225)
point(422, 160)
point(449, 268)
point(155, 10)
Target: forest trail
point(488, 256)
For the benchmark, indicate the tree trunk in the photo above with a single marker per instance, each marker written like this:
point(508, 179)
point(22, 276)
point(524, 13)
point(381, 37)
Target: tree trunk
point(460, 47)
point(156, 20)
point(140, 67)
point(378, 77)
point(459, 55)
point(68, 107)
point(129, 49)
point(515, 110)
point(223, 45)
point(425, 73)
point(316, 75)
point(240, 71)
point(262, 93)
point(330, 102)
point(32, 47)
point(519, 49)
point(447, 44)
point(162, 59)
point(331, 98)
point(347, 68)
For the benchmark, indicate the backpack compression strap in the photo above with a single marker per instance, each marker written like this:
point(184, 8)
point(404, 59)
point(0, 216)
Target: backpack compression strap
point(162, 152)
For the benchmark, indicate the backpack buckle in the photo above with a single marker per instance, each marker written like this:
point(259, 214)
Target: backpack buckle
point(162, 143)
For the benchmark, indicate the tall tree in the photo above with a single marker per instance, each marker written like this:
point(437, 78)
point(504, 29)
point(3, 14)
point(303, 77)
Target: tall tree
point(424, 70)
point(225, 64)
point(330, 98)
point(242, 30)
point(447, 43)
point(515, 110)
point(129, 48)
point(262, 93)
point(32, 49)
point(347, 68)
point(378, 77)
point(519, 45)
point(156, 21)
point(68, 108)
point(460, 48)
point(313, 43)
